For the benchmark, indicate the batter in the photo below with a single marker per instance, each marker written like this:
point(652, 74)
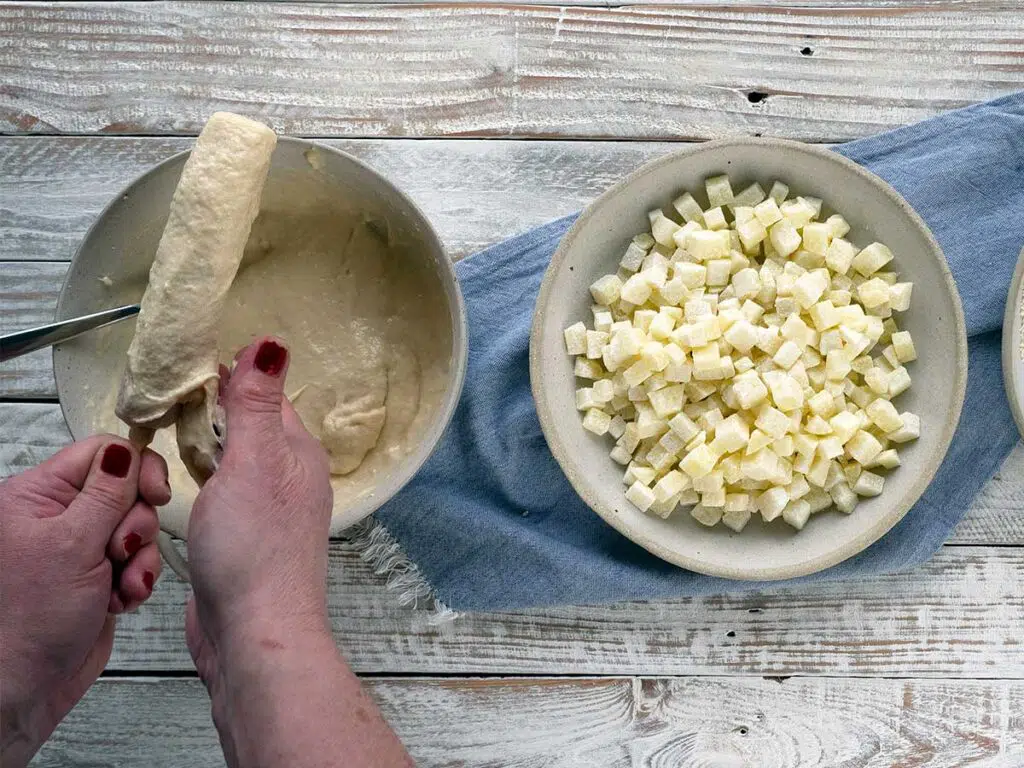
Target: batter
point(366, 321)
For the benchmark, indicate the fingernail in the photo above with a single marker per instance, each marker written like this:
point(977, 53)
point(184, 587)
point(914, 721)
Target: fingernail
point(117, 460)
point(271, 357)
point(132, 544)
point(148, 578)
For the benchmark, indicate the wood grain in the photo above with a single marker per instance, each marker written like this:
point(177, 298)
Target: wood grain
point(957, 616)
point(661, 72)
point(610, 722)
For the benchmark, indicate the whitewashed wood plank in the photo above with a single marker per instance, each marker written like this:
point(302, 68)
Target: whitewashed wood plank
point(475, 192)
point(494, 70)
point(614, 722)
point(957, 616)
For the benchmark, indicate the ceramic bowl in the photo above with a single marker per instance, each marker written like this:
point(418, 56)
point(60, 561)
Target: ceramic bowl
point(118, 250)
point(1013, 344)
point(876, 212)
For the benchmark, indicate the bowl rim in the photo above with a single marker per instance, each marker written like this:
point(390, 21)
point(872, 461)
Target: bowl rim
point(452, 289)
point(1013, 341)
point(578, 480)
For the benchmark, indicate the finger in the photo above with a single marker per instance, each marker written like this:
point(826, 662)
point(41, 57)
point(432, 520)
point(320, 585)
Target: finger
point(138, 528)
point(135, 581)
point(62, 476)
point(109, 491)
point(154, 485)
point(255, 393)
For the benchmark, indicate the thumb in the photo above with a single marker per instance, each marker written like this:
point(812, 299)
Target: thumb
point(108, 492)
point(254, 394)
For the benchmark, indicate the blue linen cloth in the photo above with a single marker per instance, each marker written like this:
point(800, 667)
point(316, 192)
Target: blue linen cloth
point(462, 520)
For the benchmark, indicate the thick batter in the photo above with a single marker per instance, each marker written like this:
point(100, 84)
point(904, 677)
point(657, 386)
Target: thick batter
point(367, 325)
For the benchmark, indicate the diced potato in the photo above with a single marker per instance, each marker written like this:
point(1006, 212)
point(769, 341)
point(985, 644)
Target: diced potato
point(640, 496)
point(576, 339)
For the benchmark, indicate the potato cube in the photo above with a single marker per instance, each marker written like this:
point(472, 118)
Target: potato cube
point(672, 484)
point(871, 259)
point(837, 365)
point(757, 441)
point(899, 296)
point(810, 287)
point(689, 208)
point(731, 434)
point(798, 331)
point(713, 499)
point(787, 355)
point(868, 484)
point(769, 339)
point(605, 290)
point(712, 481)
point(693, 275)
point(718, 272)
point(668, 401)
point(884, 415)
point(638, 372)
point(640, 496)
point(816, 238)
point(636, 290)
point(714, 218)
point(838, 226)
point(844, 425)
point(596, 421)
point(576, 339)
point(706, 245)
point(903, 346)
point(742, 335)
point(772, 421)
point(787, 393)
point(818, 473)
point(784, 237)
point(620, 455)
point(796, 513)
point(633, 258)
point(719, 190)
point(910, 430)
point(588, 369)
point(684, 426)
point(899, 381)
point(887, 459)
point(630, 438)
point(771, 503)
point(699, 461)
point(873, 293)
point(604, 390)
point(751, 233)
point(856, 343)
point(822, 404)
point(706, 357)
point(798, 212)
point(840, 255)
point(664, 509)
point(708, 516)
point(863, 447)
point(596, 343)
point(845, 499)
point(663, 228)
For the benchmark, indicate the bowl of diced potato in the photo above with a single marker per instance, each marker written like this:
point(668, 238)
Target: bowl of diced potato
point(749, 357)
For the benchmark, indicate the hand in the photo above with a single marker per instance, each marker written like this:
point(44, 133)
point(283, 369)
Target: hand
point(257, 538)
point(77, 547)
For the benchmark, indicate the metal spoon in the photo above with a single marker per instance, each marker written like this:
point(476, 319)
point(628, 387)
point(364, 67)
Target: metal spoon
point(21, 343)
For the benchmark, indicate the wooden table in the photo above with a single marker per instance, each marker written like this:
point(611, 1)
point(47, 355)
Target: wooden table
point(918, 669)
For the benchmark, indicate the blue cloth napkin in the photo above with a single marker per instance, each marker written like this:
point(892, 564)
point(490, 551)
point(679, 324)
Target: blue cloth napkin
point(492, 523)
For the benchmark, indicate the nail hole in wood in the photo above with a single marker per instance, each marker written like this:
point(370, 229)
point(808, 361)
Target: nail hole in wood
point(754, 610)
point(756, 97)
point(730, 633)
point(807, 51)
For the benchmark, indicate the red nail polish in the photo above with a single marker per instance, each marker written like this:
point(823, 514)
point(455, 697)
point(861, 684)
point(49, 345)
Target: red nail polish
point(132, 543)
point(271, 357)
point(147, 579)
point(117, 460)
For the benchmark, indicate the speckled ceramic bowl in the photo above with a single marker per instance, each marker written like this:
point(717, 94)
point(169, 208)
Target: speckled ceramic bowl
point(876, 212)
point(1013, 344)
point(119, 249)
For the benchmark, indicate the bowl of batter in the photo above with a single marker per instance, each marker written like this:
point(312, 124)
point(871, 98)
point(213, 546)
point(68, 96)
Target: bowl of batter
point(343, 267)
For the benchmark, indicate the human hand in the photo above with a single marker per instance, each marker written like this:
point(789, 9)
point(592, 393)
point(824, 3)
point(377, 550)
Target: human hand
point(257, 539)
point(77, 547)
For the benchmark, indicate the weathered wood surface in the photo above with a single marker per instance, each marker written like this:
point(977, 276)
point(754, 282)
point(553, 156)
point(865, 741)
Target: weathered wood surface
point(474, 192)
point(611, 722)
point(495, 70)
point(958, 616)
